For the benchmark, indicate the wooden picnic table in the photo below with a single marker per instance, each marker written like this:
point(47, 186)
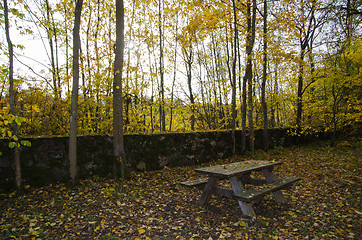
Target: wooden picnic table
point(239, 175)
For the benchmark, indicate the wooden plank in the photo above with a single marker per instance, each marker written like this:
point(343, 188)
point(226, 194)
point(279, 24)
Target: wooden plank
point(252, 194)
point(269, 176)
point(246, 208)
point(253, 181)
point(227, 171)
point(198, 183)
point(206, 194)
point(223, 192)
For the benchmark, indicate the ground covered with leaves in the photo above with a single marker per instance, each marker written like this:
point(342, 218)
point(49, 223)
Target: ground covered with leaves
point(325, 204)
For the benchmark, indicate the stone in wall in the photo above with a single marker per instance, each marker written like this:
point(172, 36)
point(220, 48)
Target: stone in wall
point(47, 161)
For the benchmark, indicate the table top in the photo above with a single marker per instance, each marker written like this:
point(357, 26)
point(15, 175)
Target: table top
point(238, 168)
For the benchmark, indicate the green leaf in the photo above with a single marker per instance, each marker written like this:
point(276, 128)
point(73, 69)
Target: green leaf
point(18, 120)
point(25, 143)
point(18, 81)
point(12, 144)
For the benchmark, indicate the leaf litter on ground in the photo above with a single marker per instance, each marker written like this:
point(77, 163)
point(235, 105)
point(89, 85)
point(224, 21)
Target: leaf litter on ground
point(325, 204)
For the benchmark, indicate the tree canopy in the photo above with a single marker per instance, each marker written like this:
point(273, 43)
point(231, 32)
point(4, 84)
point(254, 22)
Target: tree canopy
point(185, 65)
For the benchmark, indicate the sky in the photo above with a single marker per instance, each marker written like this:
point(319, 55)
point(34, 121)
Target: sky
point(33, 55)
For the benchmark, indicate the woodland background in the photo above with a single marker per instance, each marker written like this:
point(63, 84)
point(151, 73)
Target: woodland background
point(187, 66)
point(182, 61)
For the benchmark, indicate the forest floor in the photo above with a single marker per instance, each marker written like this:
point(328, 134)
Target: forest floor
point(325, 204)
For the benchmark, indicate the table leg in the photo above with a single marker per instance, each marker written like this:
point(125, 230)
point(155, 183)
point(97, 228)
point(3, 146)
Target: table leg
point(269, 176)
point(238, 187)
point(206, 194)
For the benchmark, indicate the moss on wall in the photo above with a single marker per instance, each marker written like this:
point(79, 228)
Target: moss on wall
point(47, 161)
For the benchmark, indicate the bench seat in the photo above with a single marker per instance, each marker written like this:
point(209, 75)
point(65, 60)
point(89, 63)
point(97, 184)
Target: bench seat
point(198, 183)
point(250, 195)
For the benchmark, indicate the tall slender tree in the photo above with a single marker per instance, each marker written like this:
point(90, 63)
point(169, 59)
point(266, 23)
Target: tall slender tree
point(188, 57)
point(248, 77)
point(118, 143)
point(174, 70)
point(263, 100)
point(307, 26)
point(11, 97)
point(52, 39)
point(233, 101)
point(74, 104)
point(161, 68)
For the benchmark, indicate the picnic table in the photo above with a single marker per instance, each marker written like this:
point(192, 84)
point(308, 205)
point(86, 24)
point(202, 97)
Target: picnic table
point(239, 176)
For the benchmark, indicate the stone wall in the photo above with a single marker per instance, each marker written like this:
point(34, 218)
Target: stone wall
point(47, 161)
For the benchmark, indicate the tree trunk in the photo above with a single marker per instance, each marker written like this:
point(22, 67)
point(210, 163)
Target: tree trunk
point(162, 90)
point(233, 125)
point(118, 143)
point(126, 84)
point(11, 98)
point(87, 91)
point(59, 90)
point(74, 103)
point(300, 86)
point(110, 54)
point(50, 39)
point(97, 112)
point(66, 51)
point(192, 100)
point(249, 68)
point(306, 39)
point(152, 90)
point(250, 105)
point(263, 101)
point(243, 117)
point(219, 112)
point(242, 92)
point(174, 74)
point(275, 105)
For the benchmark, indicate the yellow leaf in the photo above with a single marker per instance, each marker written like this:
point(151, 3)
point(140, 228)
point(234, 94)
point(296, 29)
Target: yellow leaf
point(36, 108)
point(197, 219)
point(141, 231)
point(33, 232)
point(242, 223)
